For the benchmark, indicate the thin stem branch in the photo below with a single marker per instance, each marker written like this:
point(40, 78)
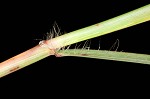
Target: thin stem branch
point(107, 55)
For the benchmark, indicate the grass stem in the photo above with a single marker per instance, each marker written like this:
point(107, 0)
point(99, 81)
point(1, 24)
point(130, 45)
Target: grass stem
point(48, 47)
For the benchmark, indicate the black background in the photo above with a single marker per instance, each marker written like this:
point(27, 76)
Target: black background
point(23, 23)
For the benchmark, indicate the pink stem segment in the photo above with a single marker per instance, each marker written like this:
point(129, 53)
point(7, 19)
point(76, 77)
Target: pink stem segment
point(26, 58)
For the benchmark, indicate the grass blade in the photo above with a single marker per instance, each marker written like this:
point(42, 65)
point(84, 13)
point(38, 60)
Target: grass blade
point(108, 55)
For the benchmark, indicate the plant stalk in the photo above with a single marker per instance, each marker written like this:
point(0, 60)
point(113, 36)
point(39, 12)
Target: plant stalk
point(48, 47)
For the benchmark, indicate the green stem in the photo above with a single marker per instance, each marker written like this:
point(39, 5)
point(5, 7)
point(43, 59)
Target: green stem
point(134, 17)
